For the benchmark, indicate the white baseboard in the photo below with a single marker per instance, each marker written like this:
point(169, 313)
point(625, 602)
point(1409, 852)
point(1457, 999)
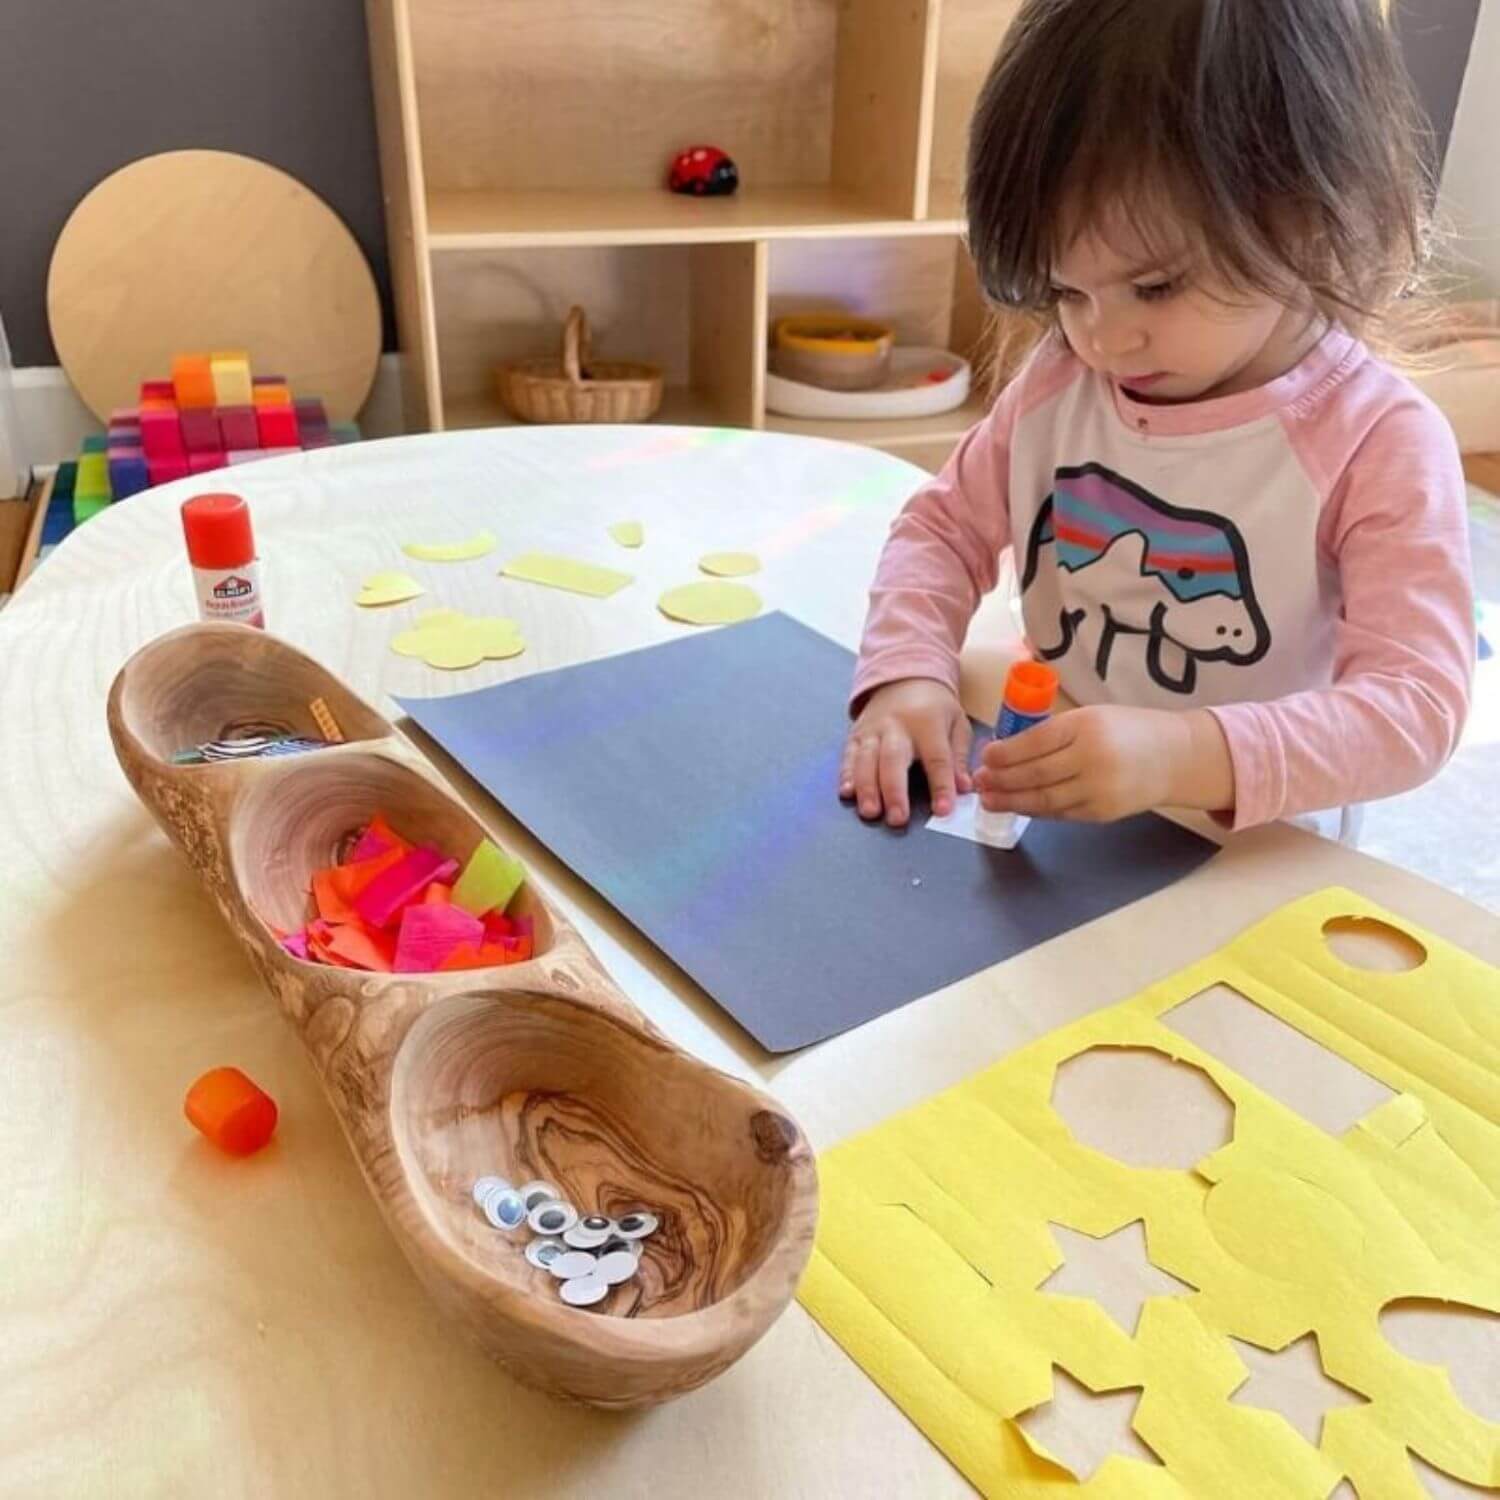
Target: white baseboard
point(51, 422)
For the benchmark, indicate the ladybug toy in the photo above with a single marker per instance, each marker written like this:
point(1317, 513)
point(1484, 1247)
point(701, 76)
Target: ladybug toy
point(704, 172)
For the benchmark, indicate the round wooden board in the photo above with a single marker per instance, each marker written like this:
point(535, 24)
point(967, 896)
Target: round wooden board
point(196, 251)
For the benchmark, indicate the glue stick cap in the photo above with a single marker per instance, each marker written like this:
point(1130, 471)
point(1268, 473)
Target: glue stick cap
point(218, 532)
point(1031, 688)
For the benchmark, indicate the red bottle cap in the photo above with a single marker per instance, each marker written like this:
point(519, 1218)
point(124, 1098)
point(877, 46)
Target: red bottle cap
point(1031, 687)
point(218, 532)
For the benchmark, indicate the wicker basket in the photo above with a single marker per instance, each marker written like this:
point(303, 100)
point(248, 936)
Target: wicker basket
point(576, 388)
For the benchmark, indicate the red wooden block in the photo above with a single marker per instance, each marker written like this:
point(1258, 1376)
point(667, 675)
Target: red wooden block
point(200, 430)
point(278, 427)
point(203, 463)
point(158, 390)
point(239, 428)
point(161, 433)
point(166, 467)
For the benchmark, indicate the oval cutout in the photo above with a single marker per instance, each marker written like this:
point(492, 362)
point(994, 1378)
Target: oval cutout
point(1464, 1340)
point(1141, 1107)
point(1375, 946)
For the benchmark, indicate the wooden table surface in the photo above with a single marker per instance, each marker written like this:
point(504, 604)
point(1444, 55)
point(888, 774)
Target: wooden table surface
point(172, 1322)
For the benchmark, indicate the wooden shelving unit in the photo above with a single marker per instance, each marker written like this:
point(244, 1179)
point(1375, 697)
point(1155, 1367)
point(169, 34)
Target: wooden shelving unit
point(523, 146)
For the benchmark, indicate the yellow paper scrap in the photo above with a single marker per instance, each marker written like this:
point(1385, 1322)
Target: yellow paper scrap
point(566, 573)
point(388, 588)
point(710, 603)
point(933, 1245)
point(478, 545)
point(729, 564)
point(628, 533)
point(453, 641)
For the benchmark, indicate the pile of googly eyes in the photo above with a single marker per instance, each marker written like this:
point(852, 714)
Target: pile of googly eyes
point(587, 1253)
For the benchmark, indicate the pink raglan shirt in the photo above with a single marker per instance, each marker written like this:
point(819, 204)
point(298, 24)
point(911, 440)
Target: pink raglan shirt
point(1293, 558)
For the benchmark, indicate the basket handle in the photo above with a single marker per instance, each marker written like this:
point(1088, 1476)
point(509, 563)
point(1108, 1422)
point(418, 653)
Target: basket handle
point(576, 346)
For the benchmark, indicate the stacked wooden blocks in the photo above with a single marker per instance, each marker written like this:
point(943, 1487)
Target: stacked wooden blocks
point(212, 413)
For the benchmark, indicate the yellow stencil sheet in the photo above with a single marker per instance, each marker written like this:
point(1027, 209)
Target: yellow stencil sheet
point(934, 1238)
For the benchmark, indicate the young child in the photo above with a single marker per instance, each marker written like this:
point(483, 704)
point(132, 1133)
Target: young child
point(1240, 537)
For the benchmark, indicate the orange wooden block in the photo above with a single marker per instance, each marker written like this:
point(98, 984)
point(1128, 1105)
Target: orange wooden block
point(271, 395)
point(236, 1115)
point(193, 380)
point(438, 894)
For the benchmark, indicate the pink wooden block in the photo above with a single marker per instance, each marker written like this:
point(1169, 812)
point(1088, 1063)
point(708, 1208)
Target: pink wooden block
point(167, 467)
point(161, 434)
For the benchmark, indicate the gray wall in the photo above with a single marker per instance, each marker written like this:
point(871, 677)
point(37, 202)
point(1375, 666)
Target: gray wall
point(88, 85)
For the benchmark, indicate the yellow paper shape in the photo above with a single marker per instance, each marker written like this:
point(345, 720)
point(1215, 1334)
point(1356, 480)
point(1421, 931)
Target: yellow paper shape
point(388, 588)
point(453, 641)
point(729, 564)
point(478, 545)
point(628, 533)
point(933, 1245)
point(566, 573)
point(710, 603)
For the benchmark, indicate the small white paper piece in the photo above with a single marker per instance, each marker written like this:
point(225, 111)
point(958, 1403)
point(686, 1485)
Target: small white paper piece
point(969, 820)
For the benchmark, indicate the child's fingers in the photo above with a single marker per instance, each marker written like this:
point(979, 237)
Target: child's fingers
point(961, 738)
point(846, 769)
point(894, 768)
point(1031, 775)
point(1064, 799)
point(1044, 739)
point(867, 775)
point(936, 752)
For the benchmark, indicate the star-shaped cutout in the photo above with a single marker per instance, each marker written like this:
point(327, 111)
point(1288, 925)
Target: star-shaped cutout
point(1114, 1271)
point(1081, 1428)
point(1442, 1486)
point(1291, 1383)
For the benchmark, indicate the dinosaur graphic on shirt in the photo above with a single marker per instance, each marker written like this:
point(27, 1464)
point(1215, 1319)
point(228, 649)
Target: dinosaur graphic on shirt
point(1179, 577)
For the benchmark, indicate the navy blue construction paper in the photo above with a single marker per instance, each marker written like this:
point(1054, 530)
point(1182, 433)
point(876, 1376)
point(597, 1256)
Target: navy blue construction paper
point(693, 784)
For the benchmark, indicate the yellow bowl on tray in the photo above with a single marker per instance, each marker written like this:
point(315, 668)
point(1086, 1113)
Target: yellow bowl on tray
point(833, 350)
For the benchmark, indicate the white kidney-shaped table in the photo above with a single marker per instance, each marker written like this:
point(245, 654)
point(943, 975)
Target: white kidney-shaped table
point(176, 1322)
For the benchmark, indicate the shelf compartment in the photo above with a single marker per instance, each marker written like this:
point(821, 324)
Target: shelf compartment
point(969, 35)
point(559, 117)
point(698, 311)
point(923, 287)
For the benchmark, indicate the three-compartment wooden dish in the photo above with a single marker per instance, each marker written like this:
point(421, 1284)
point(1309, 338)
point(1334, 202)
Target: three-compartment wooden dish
point(541, 1069)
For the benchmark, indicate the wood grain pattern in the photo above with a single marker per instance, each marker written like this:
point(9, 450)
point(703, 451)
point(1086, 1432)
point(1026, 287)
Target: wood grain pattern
point(510, 98)
point(200, 250)
point(404, 190)
point(539, 1068)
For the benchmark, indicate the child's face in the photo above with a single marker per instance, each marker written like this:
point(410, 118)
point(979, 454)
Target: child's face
point(1161, 327)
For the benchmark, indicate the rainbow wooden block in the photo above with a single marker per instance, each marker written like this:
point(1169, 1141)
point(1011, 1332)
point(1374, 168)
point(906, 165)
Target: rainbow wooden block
point(277, 426)
point(239, 427)
point(231, 378)
point(167, 467)
point(193, 381)
point(200, 430)
point(161, 432)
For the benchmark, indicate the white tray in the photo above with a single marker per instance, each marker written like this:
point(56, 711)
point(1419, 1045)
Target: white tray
point(791, 398)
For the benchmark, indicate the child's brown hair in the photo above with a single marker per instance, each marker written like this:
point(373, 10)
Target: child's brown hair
point(1284, 131)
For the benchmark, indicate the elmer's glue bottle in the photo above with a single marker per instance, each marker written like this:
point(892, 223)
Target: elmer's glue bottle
point(1030, 691)
point(221, 549)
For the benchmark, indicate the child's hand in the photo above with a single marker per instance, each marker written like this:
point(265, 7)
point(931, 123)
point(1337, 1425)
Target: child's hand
point(1108, 761)
point(916, 718)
